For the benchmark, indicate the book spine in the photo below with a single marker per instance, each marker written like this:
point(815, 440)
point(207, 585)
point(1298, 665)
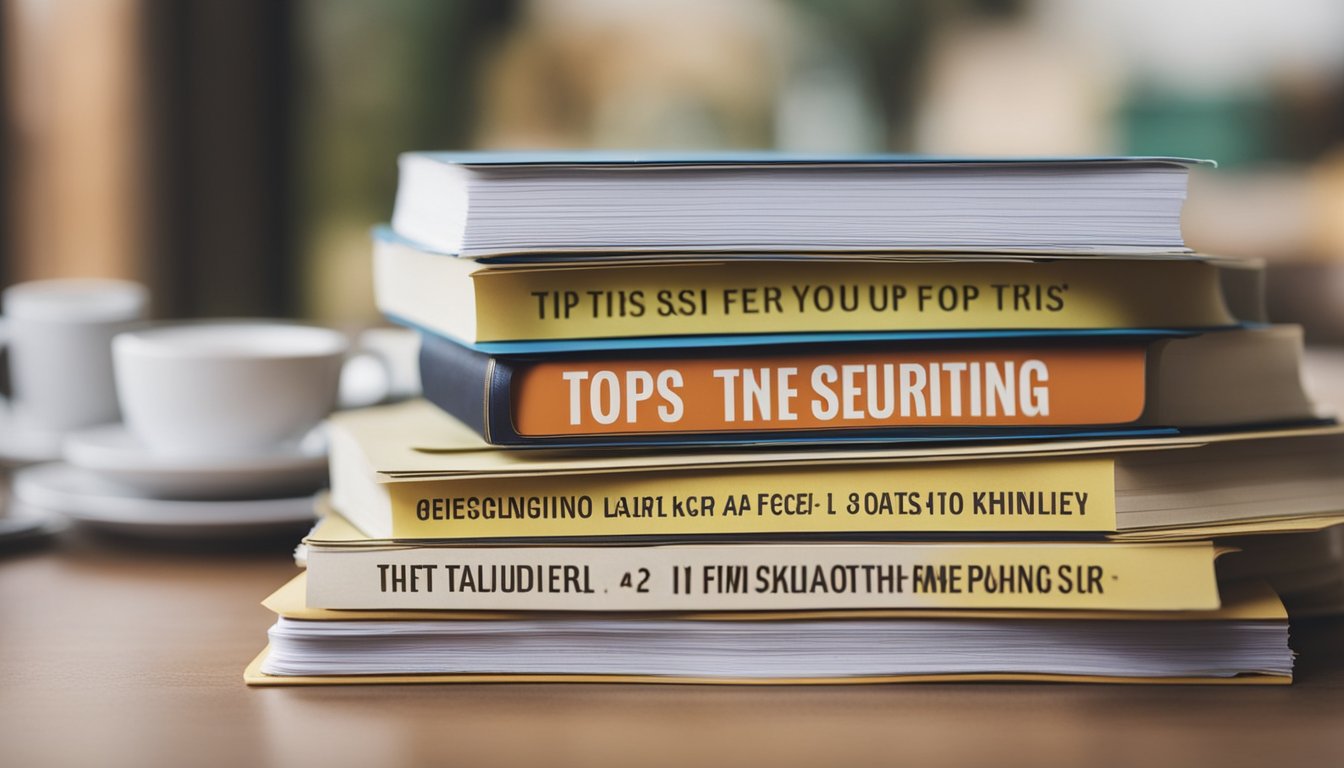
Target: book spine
point(892, 391)
point(457, 380)
point(830, 295)
point(1027, 497)
point(779, 577)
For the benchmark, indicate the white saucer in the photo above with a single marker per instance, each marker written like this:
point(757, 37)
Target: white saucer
point(19, 522)
point(21, 444)
point(115, 455)
point(86, 498)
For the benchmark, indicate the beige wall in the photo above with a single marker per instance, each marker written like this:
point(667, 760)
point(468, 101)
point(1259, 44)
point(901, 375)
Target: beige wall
point(74, 95)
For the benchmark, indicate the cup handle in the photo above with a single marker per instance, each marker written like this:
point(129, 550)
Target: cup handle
point(383, 366)
point(366, 379)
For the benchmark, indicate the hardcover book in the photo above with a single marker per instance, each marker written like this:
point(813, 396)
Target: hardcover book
point(493, 204)
point(680, 301)
point(981, 388)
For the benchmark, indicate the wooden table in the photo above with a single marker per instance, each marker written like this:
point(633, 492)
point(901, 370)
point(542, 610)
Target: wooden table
point(117, 654)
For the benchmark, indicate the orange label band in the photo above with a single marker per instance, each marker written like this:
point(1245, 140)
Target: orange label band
point(865, 390)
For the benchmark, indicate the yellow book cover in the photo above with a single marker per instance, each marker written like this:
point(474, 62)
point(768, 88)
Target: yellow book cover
point(412, 472)
point(472, 302)
point(347, 571)
point(1025, 496)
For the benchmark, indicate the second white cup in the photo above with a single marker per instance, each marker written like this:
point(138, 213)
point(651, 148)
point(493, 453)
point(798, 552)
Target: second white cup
point(59, 334)
point(226, 388)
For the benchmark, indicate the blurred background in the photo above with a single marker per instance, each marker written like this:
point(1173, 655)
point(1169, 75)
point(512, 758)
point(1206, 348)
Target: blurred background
point(234, 153)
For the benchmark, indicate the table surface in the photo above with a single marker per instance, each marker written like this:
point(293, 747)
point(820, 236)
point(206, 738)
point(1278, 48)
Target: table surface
point(114, 653)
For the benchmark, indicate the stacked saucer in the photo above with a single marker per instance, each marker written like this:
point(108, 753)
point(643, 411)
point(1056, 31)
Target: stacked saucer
point(20, 444)
point(20, 524)
point(112, 481)
point(57, 335)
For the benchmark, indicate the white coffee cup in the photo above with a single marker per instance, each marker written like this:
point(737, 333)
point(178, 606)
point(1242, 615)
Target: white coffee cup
point(226, 388)
point(59, 338)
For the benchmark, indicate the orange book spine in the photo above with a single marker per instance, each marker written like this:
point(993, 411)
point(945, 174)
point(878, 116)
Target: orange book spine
point(857, 390)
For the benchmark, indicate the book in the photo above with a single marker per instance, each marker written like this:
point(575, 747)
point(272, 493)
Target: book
point(683, 301)
point(492, 204)
point(886, 391)
point(410, 471)
point(1244, 641)
point(349, 571)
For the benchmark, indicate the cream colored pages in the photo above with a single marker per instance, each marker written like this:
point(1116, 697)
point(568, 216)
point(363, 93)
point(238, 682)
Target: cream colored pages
point(1244, 605)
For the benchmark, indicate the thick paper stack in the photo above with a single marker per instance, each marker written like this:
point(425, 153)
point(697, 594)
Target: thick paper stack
point(811, 419)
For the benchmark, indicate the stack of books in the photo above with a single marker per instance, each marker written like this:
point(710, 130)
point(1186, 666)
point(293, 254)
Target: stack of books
point(757, 419)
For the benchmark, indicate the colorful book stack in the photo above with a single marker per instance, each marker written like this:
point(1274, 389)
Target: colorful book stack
point(764, 418)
